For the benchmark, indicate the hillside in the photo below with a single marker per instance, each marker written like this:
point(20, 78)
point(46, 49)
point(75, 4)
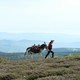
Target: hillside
point(58, 68)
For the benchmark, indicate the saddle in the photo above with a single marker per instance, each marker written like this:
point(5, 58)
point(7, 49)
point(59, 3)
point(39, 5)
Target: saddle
point(35, 49)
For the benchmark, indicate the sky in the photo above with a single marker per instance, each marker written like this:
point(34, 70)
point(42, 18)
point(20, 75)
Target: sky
point(42, 16)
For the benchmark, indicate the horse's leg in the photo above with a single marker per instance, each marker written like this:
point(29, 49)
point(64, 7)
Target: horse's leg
point(40, 54)
point(27, 55)
point(30, 55)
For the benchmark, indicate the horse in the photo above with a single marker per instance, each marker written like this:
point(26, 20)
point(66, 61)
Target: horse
point(36, 49)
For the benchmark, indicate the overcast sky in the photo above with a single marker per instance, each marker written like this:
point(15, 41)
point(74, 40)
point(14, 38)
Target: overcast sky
point(49, 16)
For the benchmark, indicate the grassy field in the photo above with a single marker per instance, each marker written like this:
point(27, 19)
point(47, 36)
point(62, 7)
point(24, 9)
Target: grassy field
point(58, 68)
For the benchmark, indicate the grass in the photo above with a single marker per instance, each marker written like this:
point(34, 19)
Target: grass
point(58, 68)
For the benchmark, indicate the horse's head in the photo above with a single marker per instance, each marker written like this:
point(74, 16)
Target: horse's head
point(43, 46)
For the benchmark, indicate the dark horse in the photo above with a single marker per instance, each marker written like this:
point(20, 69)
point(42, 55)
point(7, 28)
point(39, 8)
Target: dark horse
point(36, 49)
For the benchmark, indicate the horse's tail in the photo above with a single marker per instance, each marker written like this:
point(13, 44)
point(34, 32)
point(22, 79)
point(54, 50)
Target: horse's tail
point(24, 53)
point(27, 50)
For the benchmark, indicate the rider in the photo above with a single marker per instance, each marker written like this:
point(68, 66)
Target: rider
point(50, 49)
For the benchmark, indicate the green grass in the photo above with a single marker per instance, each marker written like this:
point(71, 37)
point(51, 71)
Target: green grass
point(58, 68)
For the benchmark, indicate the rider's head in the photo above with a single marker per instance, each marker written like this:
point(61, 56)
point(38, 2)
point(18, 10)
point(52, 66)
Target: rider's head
point(52, 41)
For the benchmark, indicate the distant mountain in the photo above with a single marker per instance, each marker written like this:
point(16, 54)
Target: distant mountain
point(66, 45)
point(62, 38)
point(66, 50)
point(18, 42)
point(2, 52)
point(16, 46)
point(21, 45)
